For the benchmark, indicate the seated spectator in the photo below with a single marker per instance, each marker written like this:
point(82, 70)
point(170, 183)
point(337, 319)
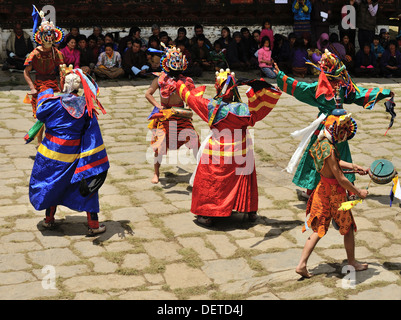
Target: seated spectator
point(323, 42)
point(71, 54)
point(192, 70)
point(109, 64)
point(365, 62)
point(200, 54)
point(137, 35)
point(97, 31)
point(87, 61)
point(225, 38)
point(218, 57)
point(349, 52)
point(122, 45)
point(298, 59)
point(154, 43)
point(377, 48)
point(198, 30)
point(155, 30)
point(248, 43)
point(109, 38)
point(265, 59)
point(256, 41)
point(336, 47)
point(18, 46)
point(135, 62)
point(93, 48)
point(236, 54)
point(163, 37)
point(384, 38)
point(128, 46)
point(182, 37)
point(282, 53)
point(391, 61)
point(74, 31)
point(101, 42)
point(153, 61)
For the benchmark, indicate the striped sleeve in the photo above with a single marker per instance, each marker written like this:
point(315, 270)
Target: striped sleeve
point(302, 91)
point(368, 98)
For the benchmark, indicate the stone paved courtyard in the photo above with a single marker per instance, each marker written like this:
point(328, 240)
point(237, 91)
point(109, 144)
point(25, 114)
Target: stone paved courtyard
point(153, 250)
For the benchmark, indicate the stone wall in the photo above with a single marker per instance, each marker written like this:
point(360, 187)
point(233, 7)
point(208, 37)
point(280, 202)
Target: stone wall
point(211, 32)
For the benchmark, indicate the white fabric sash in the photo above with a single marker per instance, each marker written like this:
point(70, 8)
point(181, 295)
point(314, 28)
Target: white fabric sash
point(305, 135)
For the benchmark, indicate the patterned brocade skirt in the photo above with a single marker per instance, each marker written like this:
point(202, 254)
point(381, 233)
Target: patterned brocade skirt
point(323, 206)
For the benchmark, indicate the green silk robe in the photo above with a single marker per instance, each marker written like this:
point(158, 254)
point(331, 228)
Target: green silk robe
point(306, 175)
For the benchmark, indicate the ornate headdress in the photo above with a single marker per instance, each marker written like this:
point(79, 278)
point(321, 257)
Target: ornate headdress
point(332, 69)
point(47, 32)
point(225, 85)
point(73, 78)
point(339, 127)
point(173, 59)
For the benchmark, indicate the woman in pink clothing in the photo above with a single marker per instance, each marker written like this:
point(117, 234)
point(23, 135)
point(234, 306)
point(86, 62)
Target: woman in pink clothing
point(267, 31)
point(265, 59)
point(70, 52)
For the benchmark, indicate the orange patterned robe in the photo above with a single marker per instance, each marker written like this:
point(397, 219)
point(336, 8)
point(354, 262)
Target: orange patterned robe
point(325, 200)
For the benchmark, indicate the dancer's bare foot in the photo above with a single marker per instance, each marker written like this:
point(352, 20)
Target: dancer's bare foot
point(359, 266)
point(302, 271)
point(155, 179)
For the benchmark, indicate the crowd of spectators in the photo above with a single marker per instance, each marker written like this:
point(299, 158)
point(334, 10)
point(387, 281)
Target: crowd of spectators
point(105, 56)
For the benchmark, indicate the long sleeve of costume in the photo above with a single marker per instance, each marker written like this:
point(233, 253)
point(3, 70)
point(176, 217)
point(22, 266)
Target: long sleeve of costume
point(367, 98)
point(302, 91)
point(194, 99)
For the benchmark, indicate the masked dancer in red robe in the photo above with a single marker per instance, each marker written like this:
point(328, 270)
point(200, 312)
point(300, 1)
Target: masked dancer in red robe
point(225, 178)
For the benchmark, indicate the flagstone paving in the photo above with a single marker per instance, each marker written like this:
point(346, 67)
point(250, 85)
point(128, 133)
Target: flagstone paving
point(153, 250)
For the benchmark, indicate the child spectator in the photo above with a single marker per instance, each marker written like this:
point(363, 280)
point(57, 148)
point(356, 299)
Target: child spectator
point(299, 56)
point(391, 61)
point(377, 49)
point(365, 62)
point(109, 63)
point(135, 62)
point(200, 54)
point(71, 54)
point(218, 57)
point(265, 59)
point(267, 32)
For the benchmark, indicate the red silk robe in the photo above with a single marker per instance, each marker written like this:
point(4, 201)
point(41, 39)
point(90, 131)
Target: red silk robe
point(225, 179)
